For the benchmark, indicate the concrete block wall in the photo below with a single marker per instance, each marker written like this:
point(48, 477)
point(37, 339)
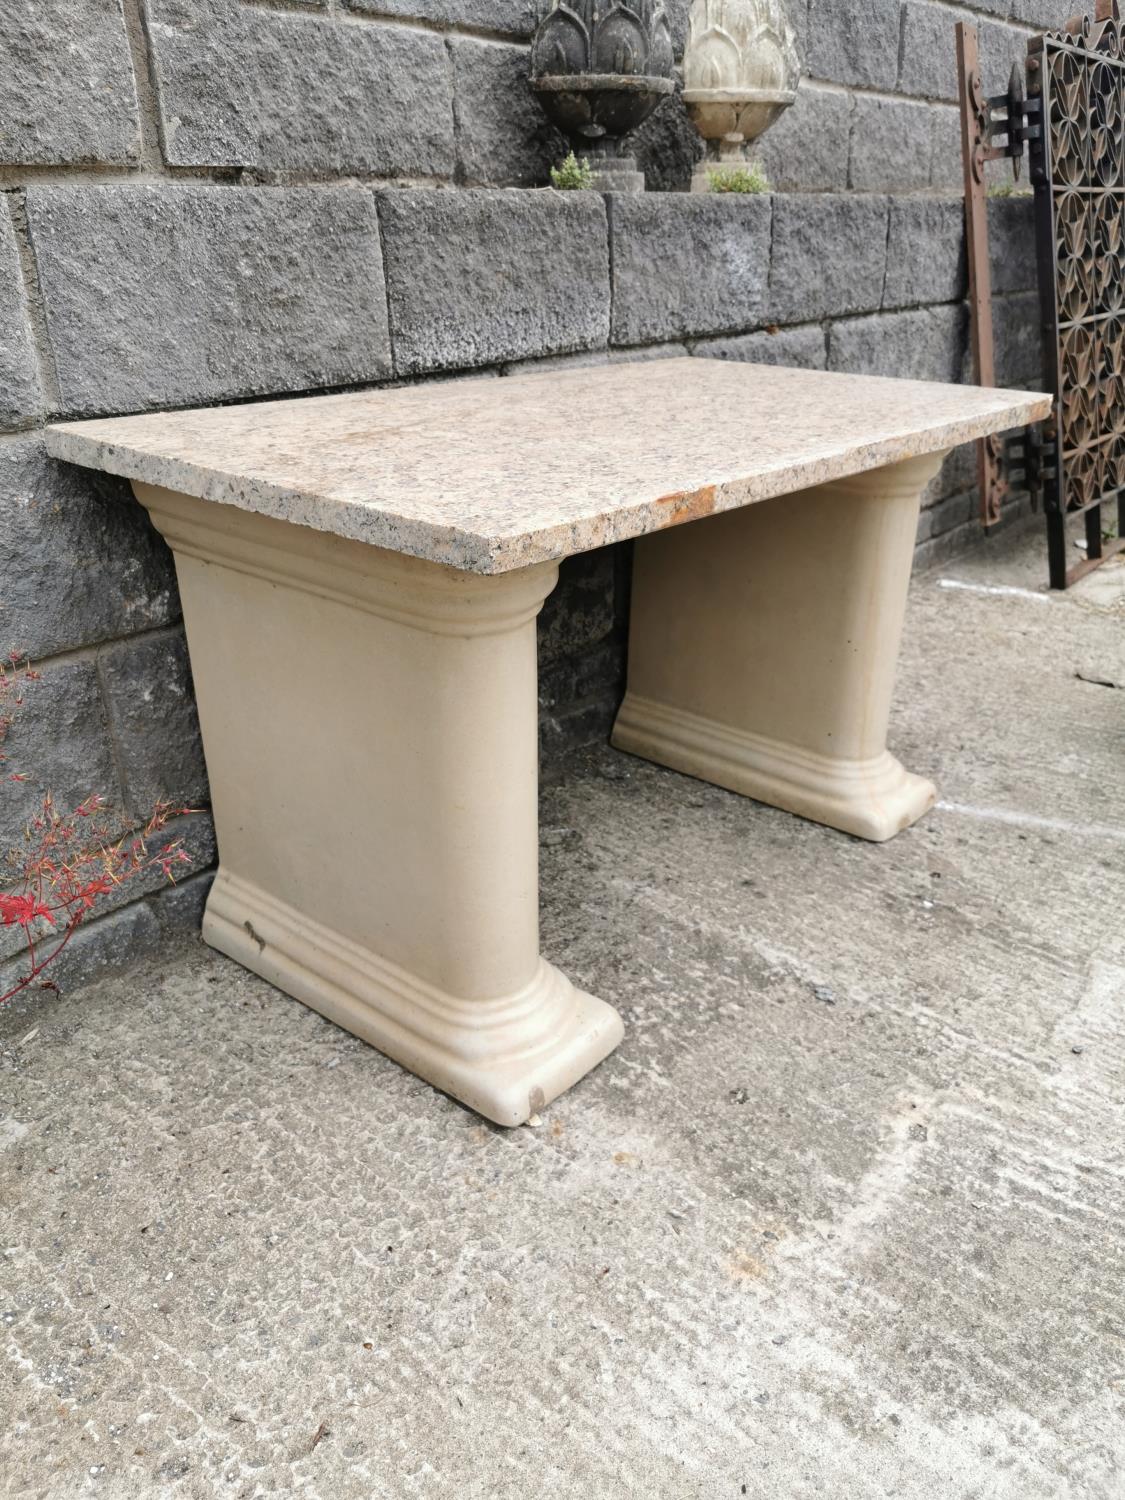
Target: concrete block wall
point(216, 200)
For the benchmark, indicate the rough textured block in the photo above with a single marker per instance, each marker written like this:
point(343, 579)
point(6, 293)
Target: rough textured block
point(667, 146)
point(1011, 243)
point(945, 148)
point(807, 149)
point(152, 715)
point(168, 296)
point(829, 256)
point(854, 41)
point(79, 560)
point(107, 942)
point(627, 356)
point(582, 676)
point(484, 275)
point(806, 347)
point(587, 359)
point(179, 908)
point(929, 59)
point(59, 741)
point(20, 399)
point(891, 145)
point(66, 81)
point(561, 732)
point(196, 837)
point(519, 17)
point(687, 264)
point(1017, 343)
point(1045, 15)
point(926, 344)
point(1001, 46)
point(925, 251)
point(929, 63)
point(578, 698)
point(243, 85)
point(580, 611)
point(503, 137)
point(957, 476)
point(954, 510)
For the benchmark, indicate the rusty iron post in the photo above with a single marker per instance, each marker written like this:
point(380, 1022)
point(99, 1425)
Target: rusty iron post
point(982, 119)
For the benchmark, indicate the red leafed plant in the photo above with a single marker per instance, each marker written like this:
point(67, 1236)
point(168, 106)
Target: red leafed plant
point(68, 861)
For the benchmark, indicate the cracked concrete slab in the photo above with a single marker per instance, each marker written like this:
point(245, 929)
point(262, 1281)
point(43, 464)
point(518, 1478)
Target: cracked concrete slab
point(843, 1216)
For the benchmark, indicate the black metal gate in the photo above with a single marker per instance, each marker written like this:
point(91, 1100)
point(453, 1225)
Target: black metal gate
point(1078, 172)
point(1072, 121)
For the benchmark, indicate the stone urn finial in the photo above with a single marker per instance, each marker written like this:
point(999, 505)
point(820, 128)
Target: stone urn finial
point(741, 70)
point(599, 68)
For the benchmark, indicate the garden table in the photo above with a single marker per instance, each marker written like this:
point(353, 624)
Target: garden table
point(360, 577)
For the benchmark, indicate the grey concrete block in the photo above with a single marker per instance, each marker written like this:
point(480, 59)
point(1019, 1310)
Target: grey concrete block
point(928, 67)
point(244, 85)
point(20, 399)
point(66, 81)
point(892, 143)
point(925, 251)
point(583, 361)
point(929, 60)
point(503, 137)
point(926, 344)
point(179, 908)
point(583, 676)
point(173, 295)
point(580, 725)
point(953, 511)
point(79, 560)
point(829, 256)
point(580, 611)
point(519, 17)
point(1000, 47)
point(99, 945)
point(688, 264)
point(937, 551)
point(806, 347)
point(1011, 244)
point(195, 838)
point(1044, 15)
point(151, 707)
point(630, 356)
point(854, 41)
point(958, 474)
point(59, 741)
point(807, 149)
point(484, 275)
point(1017, 341)
point(667, 146)
point(945, 148)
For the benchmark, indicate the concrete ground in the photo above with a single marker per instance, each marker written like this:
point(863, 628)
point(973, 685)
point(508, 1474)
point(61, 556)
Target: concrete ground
point(844, 1216)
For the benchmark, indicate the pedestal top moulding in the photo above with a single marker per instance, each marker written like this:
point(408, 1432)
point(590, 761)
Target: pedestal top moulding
point(360, 576)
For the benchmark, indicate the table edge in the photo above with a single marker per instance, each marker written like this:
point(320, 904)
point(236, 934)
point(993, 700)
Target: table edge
point(473, 552)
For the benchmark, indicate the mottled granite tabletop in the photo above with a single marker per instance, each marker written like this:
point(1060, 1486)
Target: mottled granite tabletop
point(493, 474)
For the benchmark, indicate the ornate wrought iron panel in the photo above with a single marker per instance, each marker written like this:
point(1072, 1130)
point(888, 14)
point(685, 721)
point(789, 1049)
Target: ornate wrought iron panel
point(1078, 171)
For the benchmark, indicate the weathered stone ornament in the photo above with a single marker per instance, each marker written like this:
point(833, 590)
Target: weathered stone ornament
point(599, 68)
point(741, 70)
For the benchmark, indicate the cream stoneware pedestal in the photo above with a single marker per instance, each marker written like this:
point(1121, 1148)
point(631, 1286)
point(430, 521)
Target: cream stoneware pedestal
point(360, 578)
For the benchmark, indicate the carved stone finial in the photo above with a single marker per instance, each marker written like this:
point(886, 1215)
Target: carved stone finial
point(741, 70)
point(599, 68)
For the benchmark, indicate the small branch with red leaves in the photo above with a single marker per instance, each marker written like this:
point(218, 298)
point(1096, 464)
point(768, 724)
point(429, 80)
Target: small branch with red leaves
point(69, 862)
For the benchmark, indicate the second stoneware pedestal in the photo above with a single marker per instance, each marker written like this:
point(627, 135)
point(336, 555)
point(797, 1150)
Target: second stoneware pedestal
point(763, 646)
point(370, 726)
